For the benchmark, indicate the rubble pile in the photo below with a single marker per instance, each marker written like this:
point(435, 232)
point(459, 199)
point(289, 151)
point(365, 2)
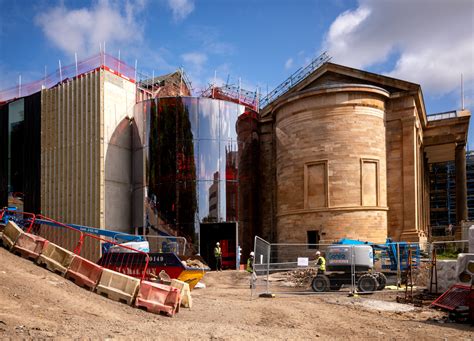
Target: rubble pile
point(297, 278)
point(194, 263)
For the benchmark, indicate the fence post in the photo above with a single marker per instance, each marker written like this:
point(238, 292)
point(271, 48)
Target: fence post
point(268, 267)
point(399, 277)
point(353, 275)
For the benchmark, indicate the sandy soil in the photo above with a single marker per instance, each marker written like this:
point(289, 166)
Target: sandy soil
point(35, 303)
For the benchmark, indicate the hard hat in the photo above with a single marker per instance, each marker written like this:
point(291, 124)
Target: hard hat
point(252, 254)
point(318, 253)
point(218, 243)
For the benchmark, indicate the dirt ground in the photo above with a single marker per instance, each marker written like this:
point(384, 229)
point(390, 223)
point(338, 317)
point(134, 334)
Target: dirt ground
point(35, 303)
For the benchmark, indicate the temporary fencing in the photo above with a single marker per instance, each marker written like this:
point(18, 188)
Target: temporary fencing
point(364, 267)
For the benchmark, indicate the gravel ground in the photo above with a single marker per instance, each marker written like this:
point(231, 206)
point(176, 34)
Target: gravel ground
point(36, 303)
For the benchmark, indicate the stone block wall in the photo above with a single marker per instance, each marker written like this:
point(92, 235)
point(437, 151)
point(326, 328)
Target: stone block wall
point(330, 164)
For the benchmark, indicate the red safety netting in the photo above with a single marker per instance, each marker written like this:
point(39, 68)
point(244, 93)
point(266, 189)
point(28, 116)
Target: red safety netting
point(101, 60)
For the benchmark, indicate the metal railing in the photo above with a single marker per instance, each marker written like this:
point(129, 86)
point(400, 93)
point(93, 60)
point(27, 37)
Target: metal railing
point(71, 71)
point(294, 79)
point(442, 116)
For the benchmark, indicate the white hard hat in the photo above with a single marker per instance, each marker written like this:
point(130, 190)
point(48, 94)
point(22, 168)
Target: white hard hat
point(218, 243)
point(252, 254)
point(318, 252)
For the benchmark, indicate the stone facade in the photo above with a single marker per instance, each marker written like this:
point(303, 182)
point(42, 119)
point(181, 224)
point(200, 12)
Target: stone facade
point(342, 155)
point(329, 175)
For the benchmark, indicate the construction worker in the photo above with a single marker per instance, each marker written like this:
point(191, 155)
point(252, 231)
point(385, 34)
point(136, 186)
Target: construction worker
point(250, 262)
point(320, 263)
point(218, 255)
point(253, 276)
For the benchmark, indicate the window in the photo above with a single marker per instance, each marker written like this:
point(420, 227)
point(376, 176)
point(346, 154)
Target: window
point(313, 238)
point(369, 182)
point(316, 185)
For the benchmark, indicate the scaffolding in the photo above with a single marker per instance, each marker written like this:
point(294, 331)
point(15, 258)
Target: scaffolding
point(443, 191)
point(234, 94)
point(442, 194)
point(66, 73)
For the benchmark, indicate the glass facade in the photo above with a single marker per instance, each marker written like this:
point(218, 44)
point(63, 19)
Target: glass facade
point(16, 138)
point(186, 164)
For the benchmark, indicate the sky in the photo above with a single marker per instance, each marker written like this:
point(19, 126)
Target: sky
point(259, 42)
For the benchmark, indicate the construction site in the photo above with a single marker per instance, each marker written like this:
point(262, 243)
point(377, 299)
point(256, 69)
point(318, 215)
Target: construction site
point(335, 194)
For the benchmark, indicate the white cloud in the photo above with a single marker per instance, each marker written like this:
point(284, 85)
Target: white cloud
point(82, 30)
point(431, 40)
point(289, 63)
point(194, 63)
point(195, 60)
point(181, 8)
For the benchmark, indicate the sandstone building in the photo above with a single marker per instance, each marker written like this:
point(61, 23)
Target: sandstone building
point(346, 153)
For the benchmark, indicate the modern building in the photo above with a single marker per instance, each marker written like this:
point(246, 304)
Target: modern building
point(340, 153)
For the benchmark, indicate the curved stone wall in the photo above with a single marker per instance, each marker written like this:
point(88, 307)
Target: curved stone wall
point(331, 164)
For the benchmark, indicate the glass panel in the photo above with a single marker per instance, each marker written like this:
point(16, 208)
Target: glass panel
point(229, 158)
point(229, 112)
point(208, 118)
point(192, 110)
point(209, 160)
point(207, 194)
point(16, 132)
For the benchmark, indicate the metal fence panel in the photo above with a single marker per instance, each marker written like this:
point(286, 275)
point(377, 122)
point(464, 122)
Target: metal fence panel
point(350, 268)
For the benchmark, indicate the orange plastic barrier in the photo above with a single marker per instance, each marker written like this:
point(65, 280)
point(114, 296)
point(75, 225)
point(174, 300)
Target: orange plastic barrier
point(117, 286)
point(55, 258)
point(29, 246)
point(84, 273)
point(185, 292)
point(158, 298)
point(11, 234)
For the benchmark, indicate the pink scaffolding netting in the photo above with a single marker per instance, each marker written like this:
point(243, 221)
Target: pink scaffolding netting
point(69, 72)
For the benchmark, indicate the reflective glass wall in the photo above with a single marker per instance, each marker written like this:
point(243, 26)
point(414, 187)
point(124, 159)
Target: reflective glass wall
point(185, 164)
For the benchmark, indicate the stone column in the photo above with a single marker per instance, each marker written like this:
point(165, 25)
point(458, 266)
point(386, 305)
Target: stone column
point(461, 183)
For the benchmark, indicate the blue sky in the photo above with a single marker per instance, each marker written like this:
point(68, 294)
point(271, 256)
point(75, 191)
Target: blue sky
point(429, 42)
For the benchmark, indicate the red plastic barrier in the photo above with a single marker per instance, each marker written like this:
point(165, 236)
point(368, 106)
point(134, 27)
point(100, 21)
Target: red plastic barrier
point(158, 298)
point(84, 273)
point(29, 246)
point(77, 238)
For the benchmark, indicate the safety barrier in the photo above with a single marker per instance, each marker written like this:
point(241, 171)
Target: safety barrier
point(185, 292)
point(76, 240)
point(24, 220)
point(84, 273)
point(350, 266)
point(117, 286)
point(29, 246)
point(10, 234)
point(101, 60)
point(158, 298)
point(55, 258)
